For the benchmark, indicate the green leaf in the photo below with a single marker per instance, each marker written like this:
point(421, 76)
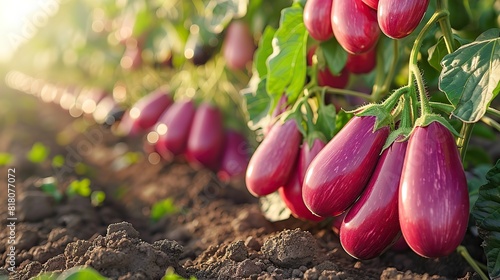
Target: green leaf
point(341, 119)
point(487, 214)
point(81, 273)
point(257, 102)
point(38, 153)
point(58, 161)
point(335, 56)
point(264, 50)
point(5, 159)
point(475, 179)
point(97, 198)
point(287, 64)
point(471, 75)
point(162, 208)
point(218, 13)
point(81, 188)
point(439, 50)
point(326, 120)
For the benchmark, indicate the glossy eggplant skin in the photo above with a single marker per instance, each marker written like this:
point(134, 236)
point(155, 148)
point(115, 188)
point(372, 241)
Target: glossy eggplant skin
point(235, 157)
point(272, 163)
point(291, 192)
point(238, 45)
point(398, 18)
point(339, 173)
point(206, 137)
point(372, 224)
point(317, 14)
point(173, 129)
point(354, 25)
point(433, 196)
point(145, 112)
point(371, 3)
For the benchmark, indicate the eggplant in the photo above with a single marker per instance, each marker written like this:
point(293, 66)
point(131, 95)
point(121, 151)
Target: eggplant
point(235, 157)
point(317, 15)
point(398, 18)
point(371, 3)
point(371, 226)
point(206, 137)
point(355, 25)
point(339, 173)
point(238, 46)
point(433, 197)
point(291, 192)
point(272, 163)
point(173, 129)
point(145, 112)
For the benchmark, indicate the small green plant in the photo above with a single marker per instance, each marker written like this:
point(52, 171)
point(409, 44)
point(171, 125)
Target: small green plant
point(58, 161)
point(79, 187)
point(75, 273)
point(97, 198)
point(49, 186)
point(162, 208)
point(171, 275)
point(38, 153)
point(5, 159)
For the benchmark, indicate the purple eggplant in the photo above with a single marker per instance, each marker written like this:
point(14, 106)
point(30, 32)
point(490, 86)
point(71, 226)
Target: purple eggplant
point(173, 129)
point(206, 137)
point(272, 163)
point(433, 195)
point(235, 156)
point(398, 18)
point(372, 224)
point(339, 173)
point(145, 112)
point(291, 192)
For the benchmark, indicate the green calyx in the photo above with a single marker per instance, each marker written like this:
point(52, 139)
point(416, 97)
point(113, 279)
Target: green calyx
point(427, 119)
point(382, 112)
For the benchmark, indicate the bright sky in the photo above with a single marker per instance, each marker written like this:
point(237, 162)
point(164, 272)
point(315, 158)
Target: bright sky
point(19, 19)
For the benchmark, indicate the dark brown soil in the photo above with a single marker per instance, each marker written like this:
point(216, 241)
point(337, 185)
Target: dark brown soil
point(219, 232)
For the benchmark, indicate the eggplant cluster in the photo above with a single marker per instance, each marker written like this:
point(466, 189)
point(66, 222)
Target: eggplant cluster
point(415, 188)
point(174, 129)
point(182, 129)
point(357, 24)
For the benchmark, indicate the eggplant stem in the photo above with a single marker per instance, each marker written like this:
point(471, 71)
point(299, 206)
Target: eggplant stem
point(473, 263)
point(491, 122)
point(444, 24)
point(463, 141)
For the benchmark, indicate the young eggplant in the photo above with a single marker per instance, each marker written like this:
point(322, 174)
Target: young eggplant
point(291, 192)
point(173, 129)
point(272, 163)
point(398, 18)
point(145, 112)
point(235, 157)
point(339, 173)
point(433, 196)
point(206, 137)
point(372, 224)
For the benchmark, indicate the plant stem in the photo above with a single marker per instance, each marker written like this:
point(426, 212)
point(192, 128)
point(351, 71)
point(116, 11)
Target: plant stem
point(343, 92)
point(444, 24)
point(463, 141)
point(491, 122)
point(493, 112)
point(465, 254)
point(414, 70)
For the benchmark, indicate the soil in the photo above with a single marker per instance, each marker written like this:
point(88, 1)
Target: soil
point(219, 231)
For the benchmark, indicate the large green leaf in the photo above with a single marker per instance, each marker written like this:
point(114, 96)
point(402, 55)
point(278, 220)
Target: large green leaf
point(470, 76)
point(486, 211)
point(264, 50)
point(334, 55)
point(287, 64)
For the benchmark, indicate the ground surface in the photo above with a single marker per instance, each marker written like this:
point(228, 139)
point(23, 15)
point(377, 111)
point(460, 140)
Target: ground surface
point(219, 232)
